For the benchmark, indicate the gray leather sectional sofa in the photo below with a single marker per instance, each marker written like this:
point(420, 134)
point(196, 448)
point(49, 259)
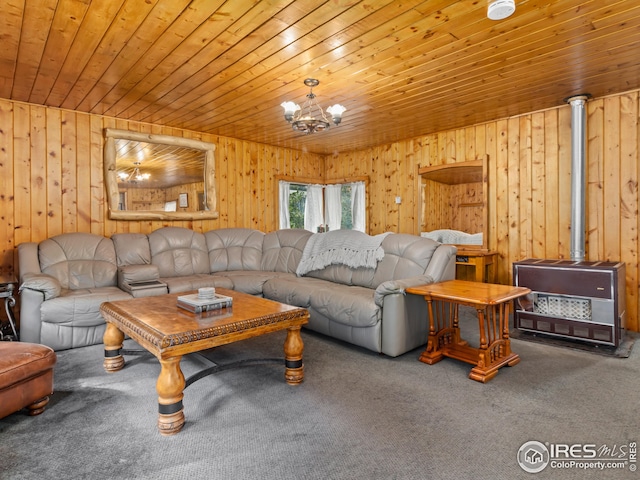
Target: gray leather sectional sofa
point(64, 279)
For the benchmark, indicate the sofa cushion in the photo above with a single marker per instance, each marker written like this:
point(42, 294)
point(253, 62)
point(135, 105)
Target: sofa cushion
point(349, 305)
point(80, 307)
point(405, 256)
point(234, 249)
point(79, 260)
point(282, 249)
point(362, 277)
point(131, 248)
point(178, 252)
point(251, 282)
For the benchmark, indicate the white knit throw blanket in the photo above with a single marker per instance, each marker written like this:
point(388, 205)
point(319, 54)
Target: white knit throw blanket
point(341, 247)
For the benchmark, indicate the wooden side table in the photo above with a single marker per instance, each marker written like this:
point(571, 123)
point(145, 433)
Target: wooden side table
point(7, 285)
point(492, 304)
point(483, 261)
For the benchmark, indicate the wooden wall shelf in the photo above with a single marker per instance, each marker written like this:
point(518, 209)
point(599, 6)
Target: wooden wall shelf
point(454, 173)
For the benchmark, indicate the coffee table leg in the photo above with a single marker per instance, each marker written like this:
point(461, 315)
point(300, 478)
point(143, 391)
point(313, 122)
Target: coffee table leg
point(170, 388)
point(293, 348)
point(112, 340)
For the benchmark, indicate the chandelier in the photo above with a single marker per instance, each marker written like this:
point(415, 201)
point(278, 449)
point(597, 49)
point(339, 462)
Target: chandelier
point(135, 176)
point(311, 118)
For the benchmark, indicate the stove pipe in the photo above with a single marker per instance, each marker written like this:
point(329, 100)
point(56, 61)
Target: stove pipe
point(578, 175)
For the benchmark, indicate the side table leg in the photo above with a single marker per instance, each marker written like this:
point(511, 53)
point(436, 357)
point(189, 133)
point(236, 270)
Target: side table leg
point(112, 339)
point(293, 348)
point(9, 303)
point(514, 358)
point(495, 350)
point(170, 388)
point(433, 353)
point(480, 269)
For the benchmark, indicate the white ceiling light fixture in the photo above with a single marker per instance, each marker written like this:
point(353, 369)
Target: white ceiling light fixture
point(500, 9)
point(310, 118)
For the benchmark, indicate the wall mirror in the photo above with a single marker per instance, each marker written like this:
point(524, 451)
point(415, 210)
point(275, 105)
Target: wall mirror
point(158, 177)
point(454, 206)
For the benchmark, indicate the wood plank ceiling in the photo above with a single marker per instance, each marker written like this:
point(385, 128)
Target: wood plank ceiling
point(401, 68)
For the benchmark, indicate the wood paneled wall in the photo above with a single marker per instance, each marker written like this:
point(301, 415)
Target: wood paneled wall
point(51, 180)
point(51, 177)
point(529, 183)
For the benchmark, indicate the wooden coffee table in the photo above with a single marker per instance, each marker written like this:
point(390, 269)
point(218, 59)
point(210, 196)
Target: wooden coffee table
point(169, 332)
point(492, 303)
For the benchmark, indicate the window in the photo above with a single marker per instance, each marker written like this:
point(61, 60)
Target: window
point(318, 207)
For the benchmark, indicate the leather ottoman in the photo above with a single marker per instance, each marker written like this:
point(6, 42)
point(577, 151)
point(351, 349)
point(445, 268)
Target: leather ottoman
point(26, 377)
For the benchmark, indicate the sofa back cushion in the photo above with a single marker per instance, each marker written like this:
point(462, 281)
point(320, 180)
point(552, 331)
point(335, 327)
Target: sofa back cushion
point(131, 249)
point(282, 249)
point(178, 252)
point(405, 256)
point(234, 249)
point(79, 260)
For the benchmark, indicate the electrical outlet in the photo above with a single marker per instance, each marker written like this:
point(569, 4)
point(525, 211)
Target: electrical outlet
point(398, 200)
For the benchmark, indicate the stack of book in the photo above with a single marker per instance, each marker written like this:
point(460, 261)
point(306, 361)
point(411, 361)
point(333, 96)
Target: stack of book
point(196, 304)
point(144, 285)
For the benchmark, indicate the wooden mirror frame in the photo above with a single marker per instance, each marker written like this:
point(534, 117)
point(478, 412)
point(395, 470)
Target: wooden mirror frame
point(111, 179)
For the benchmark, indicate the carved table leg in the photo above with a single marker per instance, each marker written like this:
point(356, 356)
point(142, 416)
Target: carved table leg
point(495, 350)
point(293, 348)
point(170, 387)
point(433, 353)
point(113, 338)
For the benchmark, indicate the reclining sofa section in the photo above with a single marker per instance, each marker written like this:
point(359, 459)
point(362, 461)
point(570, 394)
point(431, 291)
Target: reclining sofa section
point(64, 279)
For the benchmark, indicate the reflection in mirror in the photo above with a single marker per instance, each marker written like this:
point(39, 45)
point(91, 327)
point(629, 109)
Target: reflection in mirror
point(158, 177)
point(454, 203)
point(151, 175)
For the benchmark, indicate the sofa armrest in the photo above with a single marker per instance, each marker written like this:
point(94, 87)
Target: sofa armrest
point(132, 274)
point(141, 280)
point(443, 264)
point(41, 282)
point(28, 261)
point(398, 286)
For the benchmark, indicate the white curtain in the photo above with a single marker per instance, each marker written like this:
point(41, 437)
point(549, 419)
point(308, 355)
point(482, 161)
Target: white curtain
point(313, 216)
point(285, 220)
point(333, 206)
point(358, 210)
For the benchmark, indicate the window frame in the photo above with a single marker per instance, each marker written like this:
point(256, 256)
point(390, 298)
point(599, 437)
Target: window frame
point(324, 183)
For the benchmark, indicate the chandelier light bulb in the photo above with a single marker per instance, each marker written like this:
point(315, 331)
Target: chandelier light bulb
point(290, 109)
point(336, 112)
